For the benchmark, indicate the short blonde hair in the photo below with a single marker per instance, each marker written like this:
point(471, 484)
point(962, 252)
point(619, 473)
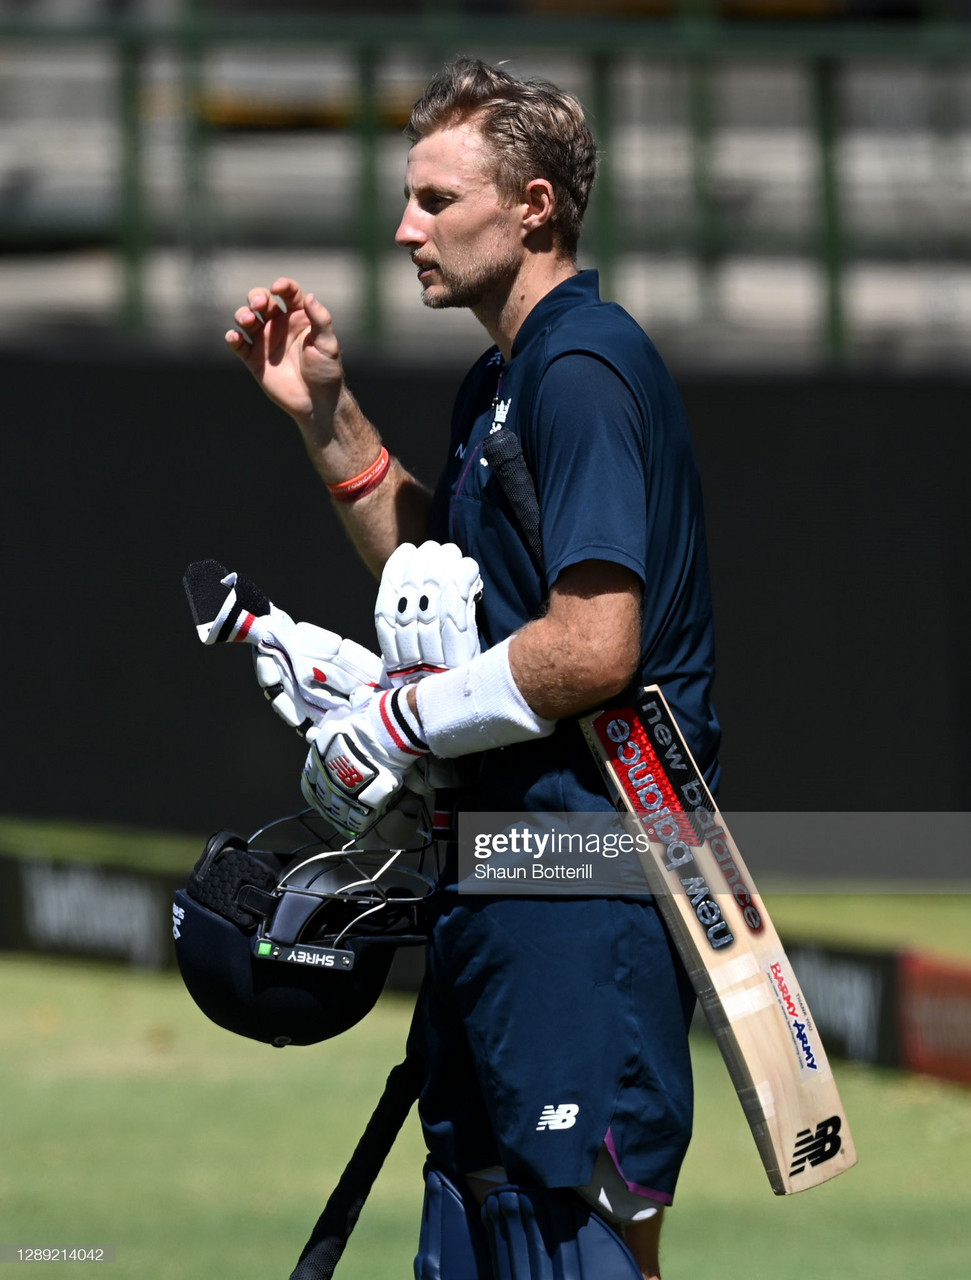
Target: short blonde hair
point(534, 130)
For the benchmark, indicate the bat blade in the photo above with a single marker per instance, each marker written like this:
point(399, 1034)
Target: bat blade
point(744, 980)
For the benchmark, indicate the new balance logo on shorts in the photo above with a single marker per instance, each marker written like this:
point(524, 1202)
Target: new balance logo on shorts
point(816, 1148)
point(562, 1117)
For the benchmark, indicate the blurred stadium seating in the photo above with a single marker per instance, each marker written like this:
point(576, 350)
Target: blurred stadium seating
point(785, 182)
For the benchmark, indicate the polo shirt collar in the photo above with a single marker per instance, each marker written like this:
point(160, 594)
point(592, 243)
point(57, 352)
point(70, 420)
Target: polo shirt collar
point(578, 289)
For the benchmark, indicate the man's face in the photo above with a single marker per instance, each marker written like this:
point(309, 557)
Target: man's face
point(464, 240)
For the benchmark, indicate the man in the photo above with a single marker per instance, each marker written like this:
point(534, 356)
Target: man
point(572, 1004)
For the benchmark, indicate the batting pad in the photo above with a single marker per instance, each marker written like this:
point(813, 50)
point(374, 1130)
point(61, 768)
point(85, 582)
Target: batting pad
point(537, 1234)
point(452, 1240)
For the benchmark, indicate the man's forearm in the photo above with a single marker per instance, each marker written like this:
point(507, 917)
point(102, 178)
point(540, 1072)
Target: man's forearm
point(583, 651)
point(586, 647)
point(559, 674)
point(393, 511)
point(553, 687)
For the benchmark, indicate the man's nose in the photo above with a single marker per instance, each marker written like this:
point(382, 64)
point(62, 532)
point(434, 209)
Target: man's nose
point(409, 231)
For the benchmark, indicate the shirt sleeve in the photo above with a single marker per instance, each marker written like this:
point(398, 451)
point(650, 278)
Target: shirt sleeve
point(588, 449)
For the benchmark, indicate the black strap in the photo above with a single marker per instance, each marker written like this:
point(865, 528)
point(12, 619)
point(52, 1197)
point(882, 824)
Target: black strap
point(504, 455)
point(323, 1250)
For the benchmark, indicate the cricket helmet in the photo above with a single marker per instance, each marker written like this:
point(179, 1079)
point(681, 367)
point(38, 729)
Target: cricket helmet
point(286, 939)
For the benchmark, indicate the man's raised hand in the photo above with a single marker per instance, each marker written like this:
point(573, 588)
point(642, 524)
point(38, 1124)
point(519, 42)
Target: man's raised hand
point(286, 339)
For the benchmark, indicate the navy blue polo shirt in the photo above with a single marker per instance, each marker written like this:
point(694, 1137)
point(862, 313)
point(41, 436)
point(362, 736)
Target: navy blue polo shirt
point(604, 435)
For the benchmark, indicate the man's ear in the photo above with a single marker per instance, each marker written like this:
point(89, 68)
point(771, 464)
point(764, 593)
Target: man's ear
point(538, 205)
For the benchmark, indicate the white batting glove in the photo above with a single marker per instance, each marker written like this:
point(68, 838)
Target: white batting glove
point(425, 611)
point(361, 758)
point(304, 671)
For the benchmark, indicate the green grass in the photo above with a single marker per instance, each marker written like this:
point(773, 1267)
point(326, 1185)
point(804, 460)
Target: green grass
point(935, 922)
point(130, 1120)
point(108, 843)
point(901, 1212)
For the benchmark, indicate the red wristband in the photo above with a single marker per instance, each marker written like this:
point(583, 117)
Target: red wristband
point(366, 482)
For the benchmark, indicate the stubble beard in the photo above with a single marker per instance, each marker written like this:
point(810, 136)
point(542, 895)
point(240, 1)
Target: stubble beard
point(472, 284)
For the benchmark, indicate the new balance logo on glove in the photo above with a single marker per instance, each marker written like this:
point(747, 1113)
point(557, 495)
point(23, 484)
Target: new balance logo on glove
point(346, 773)
point(350, 773)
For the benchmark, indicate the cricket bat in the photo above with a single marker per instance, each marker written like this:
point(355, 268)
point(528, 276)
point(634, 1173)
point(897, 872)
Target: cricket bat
point(729, 946)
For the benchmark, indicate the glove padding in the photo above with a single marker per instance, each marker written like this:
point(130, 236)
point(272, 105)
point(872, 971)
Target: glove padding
point(425, 611)
point(362, 756)
point(304, 670)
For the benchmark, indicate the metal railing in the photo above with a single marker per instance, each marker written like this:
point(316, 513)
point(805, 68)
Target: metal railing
point(697, 42)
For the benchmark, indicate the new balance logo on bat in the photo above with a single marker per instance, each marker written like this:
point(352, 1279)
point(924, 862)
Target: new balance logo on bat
point(562, 1117)
point(816, 1148)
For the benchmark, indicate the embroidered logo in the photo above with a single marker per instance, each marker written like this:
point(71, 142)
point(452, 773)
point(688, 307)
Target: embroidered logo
point(501, 414)
point(562, 1117)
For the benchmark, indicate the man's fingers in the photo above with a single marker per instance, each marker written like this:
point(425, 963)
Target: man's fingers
point(288, 291)
point(320, 338)
point(249, 324)
point(318, 315)
point(244, 346)
point(265, 306)
point(270, 303)
point(261, 308)
point(261, 326)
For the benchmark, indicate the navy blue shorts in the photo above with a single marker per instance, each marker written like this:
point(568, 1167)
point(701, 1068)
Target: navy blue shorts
point(551, 1026)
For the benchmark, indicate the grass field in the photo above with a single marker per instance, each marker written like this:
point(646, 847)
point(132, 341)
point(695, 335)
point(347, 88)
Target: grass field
point(129, 1120)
